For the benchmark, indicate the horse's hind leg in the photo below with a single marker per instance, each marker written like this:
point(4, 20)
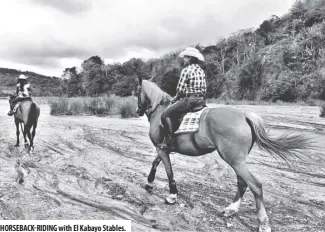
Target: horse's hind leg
point(33, 136)
point(256, 187)
point(233, 208)
point(235, 155)
point(17, 133)
point(30, 139)
point(152, 173)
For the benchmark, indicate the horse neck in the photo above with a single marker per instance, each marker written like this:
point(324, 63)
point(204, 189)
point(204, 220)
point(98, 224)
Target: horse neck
point(154, 119)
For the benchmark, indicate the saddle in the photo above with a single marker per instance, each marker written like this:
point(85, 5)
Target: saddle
point(176, 122)
point(193, 124)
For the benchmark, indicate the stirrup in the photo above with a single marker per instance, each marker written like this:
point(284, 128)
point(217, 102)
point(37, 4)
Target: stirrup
point(168, 143)
point(164, 144)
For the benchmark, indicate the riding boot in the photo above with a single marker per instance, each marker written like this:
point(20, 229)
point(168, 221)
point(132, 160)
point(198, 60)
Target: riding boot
point(169, 141)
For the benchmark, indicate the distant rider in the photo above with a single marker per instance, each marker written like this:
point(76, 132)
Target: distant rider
point(23, 92)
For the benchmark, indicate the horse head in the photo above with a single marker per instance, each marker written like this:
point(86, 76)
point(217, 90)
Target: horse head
point(142, 102)
point(11, 97)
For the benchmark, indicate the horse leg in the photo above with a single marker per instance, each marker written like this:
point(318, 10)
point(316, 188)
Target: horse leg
point(152, 173)
point(17, 133)
point(33, 136)
point(30, 139)
point(256, 187)
point(172, 198)
point(233, 208)
point(25, 133)
point(234, 149)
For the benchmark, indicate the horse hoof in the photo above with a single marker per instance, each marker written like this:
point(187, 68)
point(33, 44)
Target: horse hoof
point(148, 188)
point(26, 145)
point(169, 203)
point(264, 227)
point(171, 199)
point(228, 212)
point(17, 145)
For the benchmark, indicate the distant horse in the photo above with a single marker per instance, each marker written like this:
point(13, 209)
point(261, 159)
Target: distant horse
point(231, 132)
point(26, 116)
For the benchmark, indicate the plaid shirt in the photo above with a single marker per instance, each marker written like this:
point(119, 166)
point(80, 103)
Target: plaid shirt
point(192, 81)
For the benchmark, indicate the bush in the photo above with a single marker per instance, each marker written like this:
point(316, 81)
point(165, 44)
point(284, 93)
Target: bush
point(314, 16)
point(77, 106)
point(311, 102)
point(96, 107)
point(108, 105)
point(59, 106)
point(128, 108)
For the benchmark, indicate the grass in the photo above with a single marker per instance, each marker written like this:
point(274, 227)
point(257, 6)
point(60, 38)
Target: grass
point(100, 106)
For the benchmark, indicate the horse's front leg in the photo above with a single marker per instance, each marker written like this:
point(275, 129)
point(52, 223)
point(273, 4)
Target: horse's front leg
point(172, 198)
point(152, 173)
point(17, 132)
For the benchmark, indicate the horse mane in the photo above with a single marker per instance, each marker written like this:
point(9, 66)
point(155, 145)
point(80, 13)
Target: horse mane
point(154, 93)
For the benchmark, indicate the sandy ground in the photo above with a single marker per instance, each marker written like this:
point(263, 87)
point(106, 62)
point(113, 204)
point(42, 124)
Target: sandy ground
point(96, 168)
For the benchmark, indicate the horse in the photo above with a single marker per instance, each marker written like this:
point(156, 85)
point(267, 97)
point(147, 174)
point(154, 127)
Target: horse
point(233, 134)
point(26, 116)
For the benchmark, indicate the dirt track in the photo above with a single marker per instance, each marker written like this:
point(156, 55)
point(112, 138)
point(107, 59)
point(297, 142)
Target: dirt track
point(86, 168)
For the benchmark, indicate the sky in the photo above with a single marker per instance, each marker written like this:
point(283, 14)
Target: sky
point(47, 36)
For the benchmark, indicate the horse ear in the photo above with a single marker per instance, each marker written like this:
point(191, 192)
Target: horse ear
point(140, 80)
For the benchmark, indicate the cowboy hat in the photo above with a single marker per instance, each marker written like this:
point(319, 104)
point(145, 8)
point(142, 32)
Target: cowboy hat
point(189, 51)
point(22, 77)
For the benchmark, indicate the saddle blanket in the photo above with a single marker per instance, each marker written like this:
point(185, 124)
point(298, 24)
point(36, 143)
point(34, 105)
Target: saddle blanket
point(190, 122)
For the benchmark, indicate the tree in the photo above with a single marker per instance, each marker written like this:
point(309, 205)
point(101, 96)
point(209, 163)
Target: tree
point(73, 85)
point(169, 81)
point(125, 86)
point(94, 77)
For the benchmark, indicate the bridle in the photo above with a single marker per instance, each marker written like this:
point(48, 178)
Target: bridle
point(143, 108)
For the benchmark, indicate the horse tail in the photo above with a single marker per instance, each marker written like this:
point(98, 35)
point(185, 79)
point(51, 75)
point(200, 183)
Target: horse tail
point(285, 146)
point(31, 116)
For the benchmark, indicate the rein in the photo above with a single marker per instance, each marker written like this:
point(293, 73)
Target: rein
point(149, 113)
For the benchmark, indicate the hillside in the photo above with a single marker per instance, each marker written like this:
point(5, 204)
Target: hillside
point(283, 59)
point(41, 85)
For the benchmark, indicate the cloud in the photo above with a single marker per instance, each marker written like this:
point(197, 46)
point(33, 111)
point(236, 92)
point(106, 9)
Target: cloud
point(50, 34)
point(66, 6)
point(45, 53)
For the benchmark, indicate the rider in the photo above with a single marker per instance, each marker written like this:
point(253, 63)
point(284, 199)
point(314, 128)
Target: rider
point(22, 92)
point(190, 92)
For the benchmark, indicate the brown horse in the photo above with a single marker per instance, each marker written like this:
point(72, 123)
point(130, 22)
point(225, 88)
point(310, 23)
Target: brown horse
point(26, 116)
point(232, 133)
